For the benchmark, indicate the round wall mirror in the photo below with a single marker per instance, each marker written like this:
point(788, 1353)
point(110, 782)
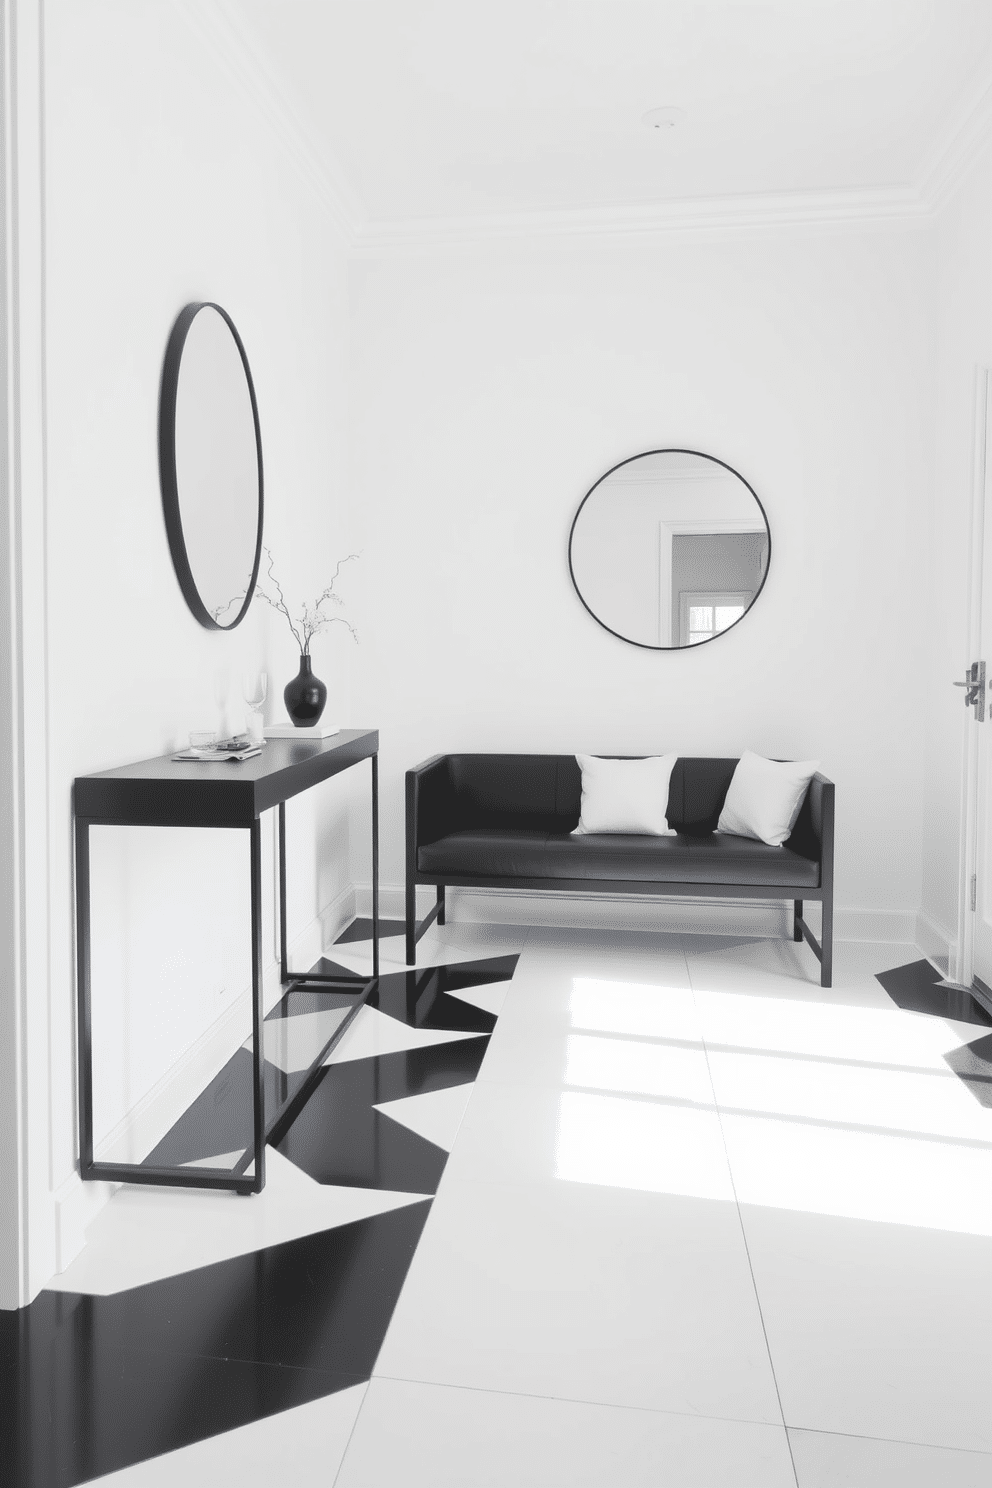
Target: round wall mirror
point(210, 461)
point(669, 549)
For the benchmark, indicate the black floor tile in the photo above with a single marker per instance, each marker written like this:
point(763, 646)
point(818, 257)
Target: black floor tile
point(137, 1406)
point(975, 1058)
point(339, 1138)
point(973, 1063)
point(326, 967)
point(220, 1119)
point(361, 929)
point(91, 1384)
point(916, 988)
point(420, 1000)
point(480, 973)
point(376, 1153)
point(319, 1302)
point(312, 1000)
point(428, 997)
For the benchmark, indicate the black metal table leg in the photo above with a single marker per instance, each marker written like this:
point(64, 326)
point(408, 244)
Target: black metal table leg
point(375, 865)
point(258, 1011)
point(83, 996)
point(129, 1172)
point(283, 947)
point(315, 979)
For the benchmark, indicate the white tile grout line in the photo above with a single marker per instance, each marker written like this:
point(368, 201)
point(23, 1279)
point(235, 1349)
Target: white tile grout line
point(896, 1441)
point(740, 1220)
point(351, 1433)
point(646, 1410)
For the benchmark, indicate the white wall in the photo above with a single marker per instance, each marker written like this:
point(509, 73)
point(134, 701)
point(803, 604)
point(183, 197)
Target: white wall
point(166, 184)
point(964, 307)
point(492, 388)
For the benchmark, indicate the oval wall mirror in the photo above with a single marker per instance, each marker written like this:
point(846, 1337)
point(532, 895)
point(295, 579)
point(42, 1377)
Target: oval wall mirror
point(210, 462)
point(669, 549)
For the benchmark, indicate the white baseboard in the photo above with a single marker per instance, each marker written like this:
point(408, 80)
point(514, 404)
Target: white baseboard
point(329, 924)
point(937, 943)
point(894, 926)
point(77, 1203)
point(637, 912)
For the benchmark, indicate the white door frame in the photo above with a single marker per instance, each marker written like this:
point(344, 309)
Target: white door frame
point(962, 969)
point(27, 1251)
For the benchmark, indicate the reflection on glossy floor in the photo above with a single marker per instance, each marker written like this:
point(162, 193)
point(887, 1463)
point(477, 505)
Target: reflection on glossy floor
point(702, 1223)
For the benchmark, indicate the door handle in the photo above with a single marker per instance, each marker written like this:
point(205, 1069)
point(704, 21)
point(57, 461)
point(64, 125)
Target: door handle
point(974, 685)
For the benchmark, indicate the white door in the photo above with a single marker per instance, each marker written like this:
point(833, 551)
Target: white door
point(975, 922)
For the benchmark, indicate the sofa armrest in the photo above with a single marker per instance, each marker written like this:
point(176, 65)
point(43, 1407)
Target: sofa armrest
point(813, 834)
point(430, 804)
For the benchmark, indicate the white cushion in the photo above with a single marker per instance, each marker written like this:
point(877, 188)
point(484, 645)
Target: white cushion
point(625, 795)
point(765, 797)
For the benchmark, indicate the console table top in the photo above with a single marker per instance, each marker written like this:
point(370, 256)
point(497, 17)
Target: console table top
point(195, 793)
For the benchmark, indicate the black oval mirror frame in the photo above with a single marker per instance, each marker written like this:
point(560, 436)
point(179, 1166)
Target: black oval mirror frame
point(167, 464)
point(646, 645)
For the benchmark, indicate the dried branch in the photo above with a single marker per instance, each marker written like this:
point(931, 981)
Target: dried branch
point(238, 599)
point(329, 591)
point(311, 621)
point(322, 624)
point(280, 603)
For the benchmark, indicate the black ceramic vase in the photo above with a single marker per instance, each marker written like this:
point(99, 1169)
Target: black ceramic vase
point(305, 696)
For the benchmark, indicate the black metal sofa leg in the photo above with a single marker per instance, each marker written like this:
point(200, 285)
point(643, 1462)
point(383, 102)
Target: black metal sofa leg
point(440, 904)
point(827, 944)
point(411, 923)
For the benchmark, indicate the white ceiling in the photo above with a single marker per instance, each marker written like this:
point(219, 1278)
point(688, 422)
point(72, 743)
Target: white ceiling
point(453, 108)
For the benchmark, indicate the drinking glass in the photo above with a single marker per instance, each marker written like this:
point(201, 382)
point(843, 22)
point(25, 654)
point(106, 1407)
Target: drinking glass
point(254, 690)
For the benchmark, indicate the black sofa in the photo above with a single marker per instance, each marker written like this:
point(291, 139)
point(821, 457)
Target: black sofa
point(503, 821)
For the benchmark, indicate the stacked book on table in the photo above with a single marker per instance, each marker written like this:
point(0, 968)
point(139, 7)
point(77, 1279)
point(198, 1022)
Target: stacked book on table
point(238, 747)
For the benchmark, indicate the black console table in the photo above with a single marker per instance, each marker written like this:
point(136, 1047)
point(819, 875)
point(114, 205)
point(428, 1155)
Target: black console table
point(170, 793)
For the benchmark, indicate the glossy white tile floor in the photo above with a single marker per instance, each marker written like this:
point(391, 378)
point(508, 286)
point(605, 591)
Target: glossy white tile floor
point(703, 1223)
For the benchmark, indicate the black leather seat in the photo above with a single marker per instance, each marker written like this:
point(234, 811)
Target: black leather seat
point(716, 859)
point(703, 860)
point(491, 851)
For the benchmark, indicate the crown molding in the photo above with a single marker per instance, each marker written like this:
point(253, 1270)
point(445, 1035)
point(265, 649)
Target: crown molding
point(687, 215)
point(222, 30)
point(951, 155)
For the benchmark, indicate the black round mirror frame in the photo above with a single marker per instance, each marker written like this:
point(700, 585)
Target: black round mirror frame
point(167, 463)
point(644, 645)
